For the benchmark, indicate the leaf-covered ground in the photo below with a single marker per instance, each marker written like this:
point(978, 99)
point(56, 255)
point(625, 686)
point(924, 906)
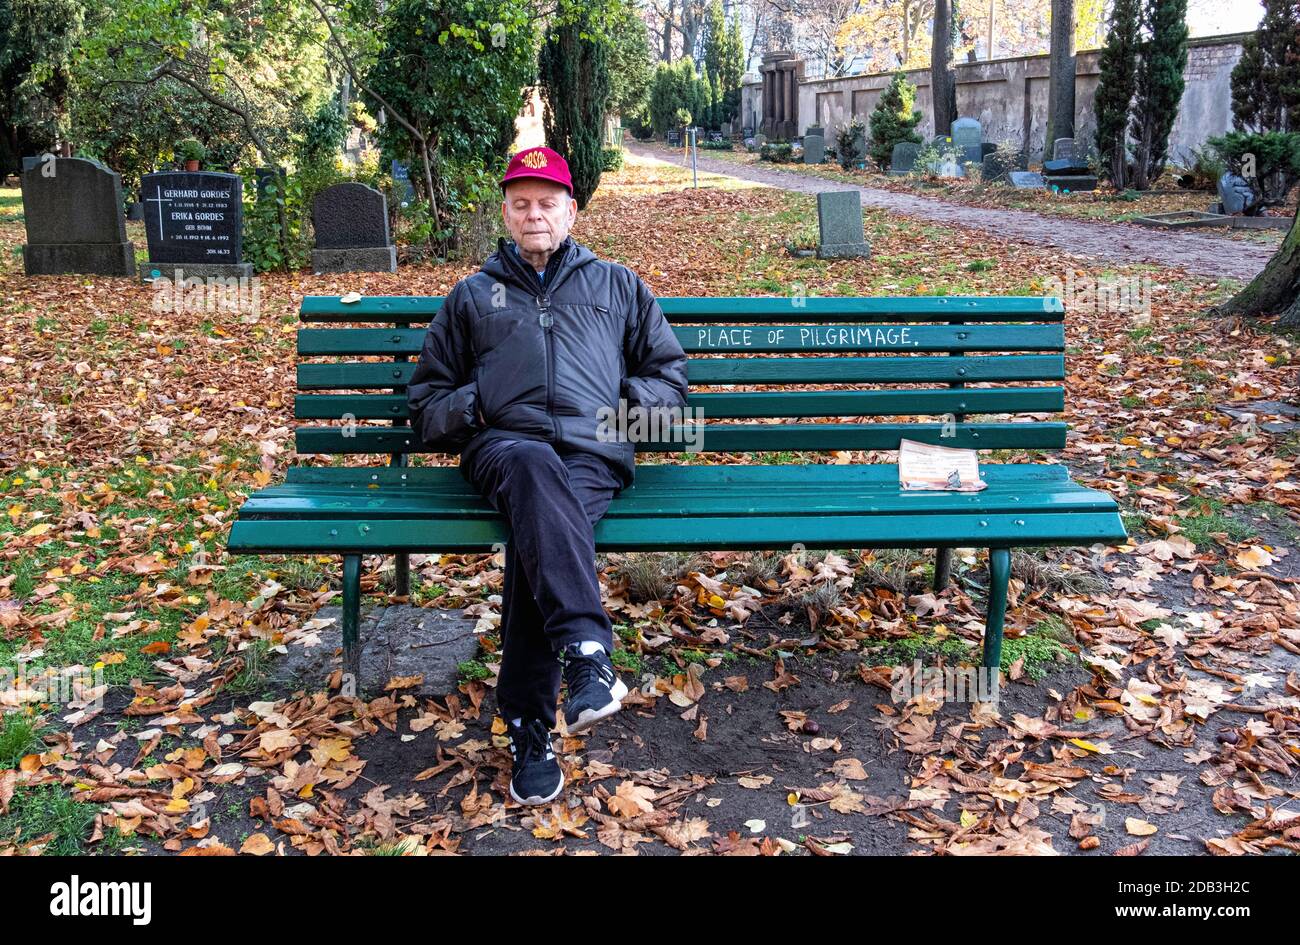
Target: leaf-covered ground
point(1152, 694)
point(1103, 204)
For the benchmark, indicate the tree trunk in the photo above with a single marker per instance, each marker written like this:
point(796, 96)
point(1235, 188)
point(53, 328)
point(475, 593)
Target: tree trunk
point(1060, 86)
point(943, 84)
point(1277, 288)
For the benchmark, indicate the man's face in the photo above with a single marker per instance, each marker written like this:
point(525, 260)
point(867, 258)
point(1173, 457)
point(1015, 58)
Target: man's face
point(538, 214)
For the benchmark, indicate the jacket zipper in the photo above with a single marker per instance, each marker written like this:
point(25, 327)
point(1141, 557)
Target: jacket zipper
point(546, 320)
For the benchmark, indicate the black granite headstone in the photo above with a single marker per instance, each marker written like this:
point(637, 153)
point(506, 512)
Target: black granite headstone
point(193, 221)
point(265, 176)
point(350, 221)
point(1069, 166)
point(72, 209)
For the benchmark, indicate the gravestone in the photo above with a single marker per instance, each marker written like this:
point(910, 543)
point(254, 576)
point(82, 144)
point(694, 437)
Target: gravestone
point(1235, 193)
point(402, 189)
point(265, 175)
point(72, 209)
point(903, 158)
point(948, 167)
point(839, 221)
point(996, 166)
point(1068, 166)
point(1063, 149)
point(674, 139)
point(1071, 182)
point(194, 224)
point(814, 149)
point(987, 148)
point(351, 226)
point(966, 136)
point(1026, 180)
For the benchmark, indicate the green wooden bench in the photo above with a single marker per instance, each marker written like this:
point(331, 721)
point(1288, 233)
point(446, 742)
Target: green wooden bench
point(865, 373)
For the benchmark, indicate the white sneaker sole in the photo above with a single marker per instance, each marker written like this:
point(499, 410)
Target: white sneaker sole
point(535, 799)
point(589, 717)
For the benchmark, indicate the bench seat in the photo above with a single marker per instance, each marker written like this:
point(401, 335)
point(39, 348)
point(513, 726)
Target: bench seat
point(345, 510)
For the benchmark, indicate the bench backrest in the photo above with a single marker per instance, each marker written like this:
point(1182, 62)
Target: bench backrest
point(868, 369)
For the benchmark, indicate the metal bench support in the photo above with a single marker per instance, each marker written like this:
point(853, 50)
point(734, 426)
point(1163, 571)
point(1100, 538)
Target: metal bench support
point(352, 621)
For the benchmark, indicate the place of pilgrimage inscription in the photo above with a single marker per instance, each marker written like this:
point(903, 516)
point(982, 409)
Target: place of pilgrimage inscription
point(873, 337)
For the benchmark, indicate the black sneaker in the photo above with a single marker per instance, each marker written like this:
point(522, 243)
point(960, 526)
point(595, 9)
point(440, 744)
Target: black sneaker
point(595, 691)
point(536, 777)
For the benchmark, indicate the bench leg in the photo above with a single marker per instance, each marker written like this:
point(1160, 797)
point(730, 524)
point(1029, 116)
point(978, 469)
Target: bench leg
point(351, 623)
point(999, 578)
point(942, 569)
point(402, 577)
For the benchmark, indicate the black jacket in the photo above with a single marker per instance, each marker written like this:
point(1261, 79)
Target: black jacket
point(540, 360)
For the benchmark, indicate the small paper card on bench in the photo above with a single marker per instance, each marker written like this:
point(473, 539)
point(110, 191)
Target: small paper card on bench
point(922, 466)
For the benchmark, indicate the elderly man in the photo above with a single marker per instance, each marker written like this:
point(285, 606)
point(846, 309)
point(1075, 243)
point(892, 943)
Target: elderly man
point(520, 372)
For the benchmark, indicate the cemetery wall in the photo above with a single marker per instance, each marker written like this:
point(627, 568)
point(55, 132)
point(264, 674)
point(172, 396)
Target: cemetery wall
point(1009, 96)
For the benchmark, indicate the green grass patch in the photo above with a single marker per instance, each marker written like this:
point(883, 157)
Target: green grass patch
point(48, 810)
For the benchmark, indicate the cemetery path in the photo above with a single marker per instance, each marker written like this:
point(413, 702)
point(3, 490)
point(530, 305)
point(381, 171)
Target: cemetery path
point(1119, 243)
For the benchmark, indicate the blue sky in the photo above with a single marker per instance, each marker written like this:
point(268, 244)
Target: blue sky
point(1208, 17)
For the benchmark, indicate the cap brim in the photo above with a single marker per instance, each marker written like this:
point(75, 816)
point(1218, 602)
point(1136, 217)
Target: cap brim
point(514, 177)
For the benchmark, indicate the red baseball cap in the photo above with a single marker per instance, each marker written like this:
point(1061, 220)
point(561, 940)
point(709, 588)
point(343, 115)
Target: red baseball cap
point(542, 163)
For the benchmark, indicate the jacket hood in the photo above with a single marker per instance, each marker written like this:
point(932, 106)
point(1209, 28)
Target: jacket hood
point(506, 265)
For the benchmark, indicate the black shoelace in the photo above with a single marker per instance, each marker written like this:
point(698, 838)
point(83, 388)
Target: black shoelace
point(580, 669)
point(532, 741)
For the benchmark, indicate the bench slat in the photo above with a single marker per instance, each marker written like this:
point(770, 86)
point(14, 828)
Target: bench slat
point(751, 405)
point(715, 532)
point(668, 477)
point(739, 438)
point(394, 309)
point(919, 369)
point(313, 342)
point(307, 502)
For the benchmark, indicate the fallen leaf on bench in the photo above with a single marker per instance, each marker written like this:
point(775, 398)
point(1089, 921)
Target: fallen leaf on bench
point(350, 298)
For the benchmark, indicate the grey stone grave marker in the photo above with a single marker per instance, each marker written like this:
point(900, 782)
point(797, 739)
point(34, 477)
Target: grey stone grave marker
point(1065, 149)
point(814, 149)
point(839, 220)
point(72, 209)
point(1026, 180)
point(966, 136)
point(903, 158)
point(351, 225)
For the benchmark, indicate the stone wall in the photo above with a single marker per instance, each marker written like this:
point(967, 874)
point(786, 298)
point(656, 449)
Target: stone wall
point(1009, 96)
